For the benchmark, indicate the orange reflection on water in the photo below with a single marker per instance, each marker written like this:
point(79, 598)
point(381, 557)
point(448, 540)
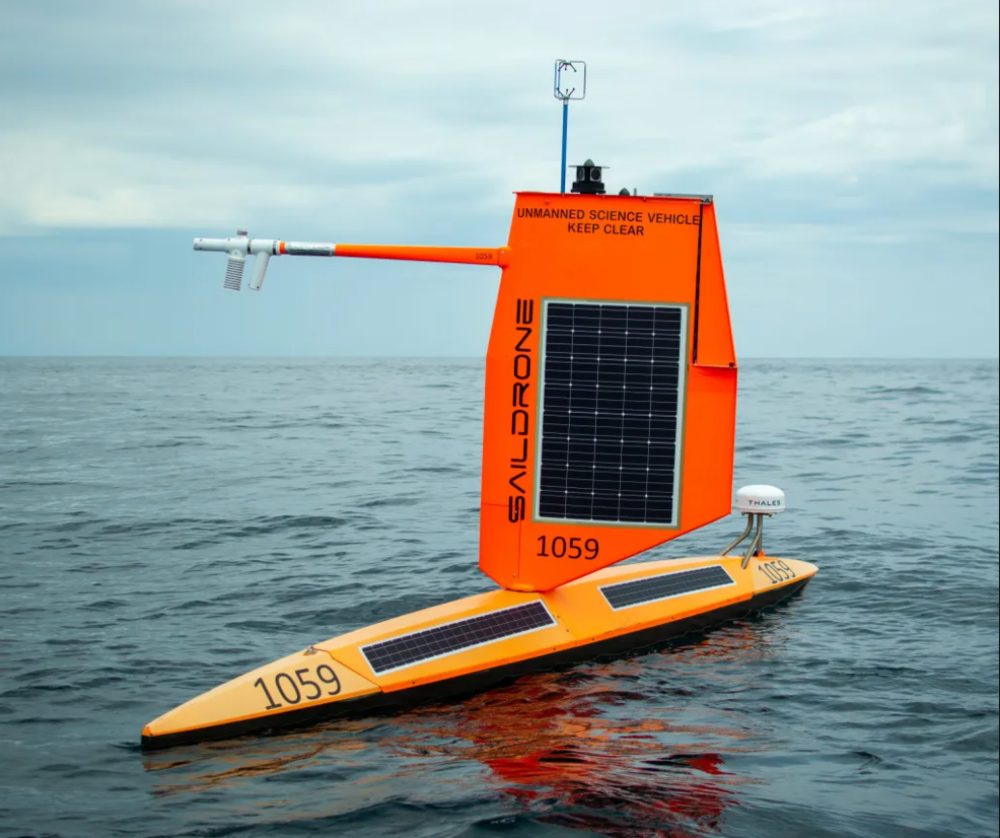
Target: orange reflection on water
point(549, 745)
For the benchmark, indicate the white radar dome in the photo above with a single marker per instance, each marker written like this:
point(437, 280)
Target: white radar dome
point(753, 499)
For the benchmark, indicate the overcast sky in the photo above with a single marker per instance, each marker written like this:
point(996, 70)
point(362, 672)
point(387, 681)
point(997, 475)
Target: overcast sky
point(852, 148)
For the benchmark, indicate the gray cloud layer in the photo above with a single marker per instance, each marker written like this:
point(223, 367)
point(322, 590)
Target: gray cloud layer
point(852, 148)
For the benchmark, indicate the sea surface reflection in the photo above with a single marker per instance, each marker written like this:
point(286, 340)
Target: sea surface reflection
point(169, 524)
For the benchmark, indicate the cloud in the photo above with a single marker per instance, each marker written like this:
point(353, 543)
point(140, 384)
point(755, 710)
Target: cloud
point(817, 125)
point(168, 114)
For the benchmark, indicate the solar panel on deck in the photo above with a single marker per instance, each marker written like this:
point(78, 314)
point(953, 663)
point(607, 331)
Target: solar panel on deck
point(436, 642)
point(612, 408)
point(666, 585)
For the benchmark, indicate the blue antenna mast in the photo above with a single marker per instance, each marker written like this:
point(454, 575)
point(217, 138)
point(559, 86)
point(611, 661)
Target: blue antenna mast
point(570, 83)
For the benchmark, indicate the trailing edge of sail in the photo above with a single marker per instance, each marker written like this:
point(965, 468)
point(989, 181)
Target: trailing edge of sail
point(610, 386)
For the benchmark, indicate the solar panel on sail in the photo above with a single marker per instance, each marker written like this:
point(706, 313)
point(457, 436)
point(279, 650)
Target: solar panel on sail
point(665, 586)
point(612, 410)
point(419, 646)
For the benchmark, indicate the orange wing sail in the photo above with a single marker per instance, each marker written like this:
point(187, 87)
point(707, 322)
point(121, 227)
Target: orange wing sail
point(610, 386)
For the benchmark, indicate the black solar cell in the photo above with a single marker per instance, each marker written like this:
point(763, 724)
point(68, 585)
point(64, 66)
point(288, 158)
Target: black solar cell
point(611, 393)
point(666, 585)
point(420, 646)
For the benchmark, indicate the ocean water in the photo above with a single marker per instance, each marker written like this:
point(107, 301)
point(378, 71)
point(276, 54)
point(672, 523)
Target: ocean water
point(168, 524)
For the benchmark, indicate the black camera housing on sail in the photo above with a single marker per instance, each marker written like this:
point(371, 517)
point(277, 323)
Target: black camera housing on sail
point(588, 179)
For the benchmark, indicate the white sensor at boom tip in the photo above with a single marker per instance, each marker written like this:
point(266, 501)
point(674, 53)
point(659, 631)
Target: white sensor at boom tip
point(238, 248)
point(241, 245)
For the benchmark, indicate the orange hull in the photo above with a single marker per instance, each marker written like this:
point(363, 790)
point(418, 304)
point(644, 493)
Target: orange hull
point(477, 641)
